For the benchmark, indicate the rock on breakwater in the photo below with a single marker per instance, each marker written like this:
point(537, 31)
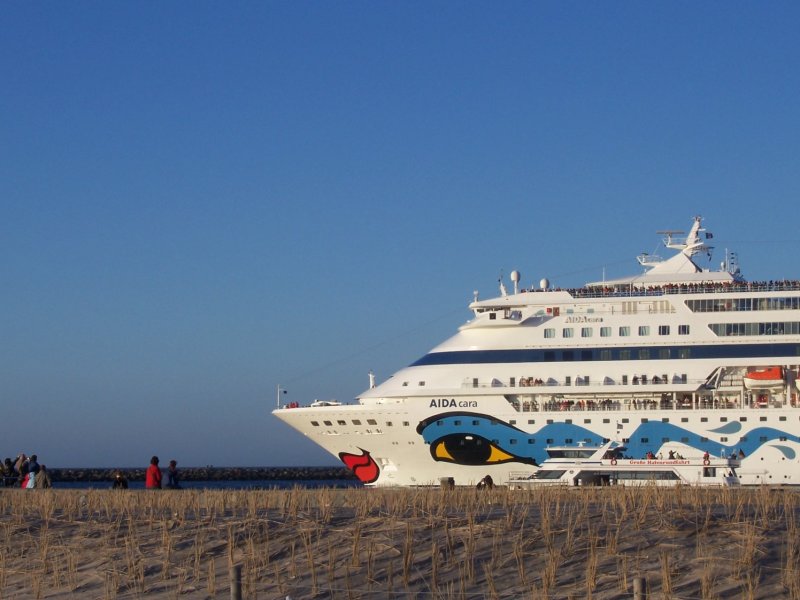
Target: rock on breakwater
point(209, 474)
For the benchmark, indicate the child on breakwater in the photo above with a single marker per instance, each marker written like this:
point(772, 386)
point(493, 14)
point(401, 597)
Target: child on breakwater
point(172, 475)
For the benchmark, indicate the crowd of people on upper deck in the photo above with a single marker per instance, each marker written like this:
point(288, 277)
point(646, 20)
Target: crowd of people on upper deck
point(633, 289)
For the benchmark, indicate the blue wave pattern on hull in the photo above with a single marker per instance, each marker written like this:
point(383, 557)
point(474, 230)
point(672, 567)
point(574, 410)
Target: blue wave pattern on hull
point(525, 447)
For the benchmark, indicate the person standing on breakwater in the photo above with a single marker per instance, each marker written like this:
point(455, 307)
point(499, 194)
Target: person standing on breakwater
point(42, 481)
point(120, 483)
point(152, 479)
point(172, 475)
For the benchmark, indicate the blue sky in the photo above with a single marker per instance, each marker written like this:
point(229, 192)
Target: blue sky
point(202, 200)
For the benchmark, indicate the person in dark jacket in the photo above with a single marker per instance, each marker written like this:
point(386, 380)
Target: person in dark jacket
point(172, 475)
point(120, 483)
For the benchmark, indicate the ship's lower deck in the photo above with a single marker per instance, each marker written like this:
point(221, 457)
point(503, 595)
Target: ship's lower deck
point(424, 440)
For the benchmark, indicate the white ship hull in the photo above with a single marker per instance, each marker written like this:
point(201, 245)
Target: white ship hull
point(655, 361)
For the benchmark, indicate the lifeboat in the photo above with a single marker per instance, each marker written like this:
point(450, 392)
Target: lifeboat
point(764, 379)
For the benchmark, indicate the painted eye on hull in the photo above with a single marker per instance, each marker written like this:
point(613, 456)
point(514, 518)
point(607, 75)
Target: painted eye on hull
point(471, 449)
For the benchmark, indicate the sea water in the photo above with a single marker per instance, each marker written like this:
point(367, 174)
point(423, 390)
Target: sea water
point(223, 484)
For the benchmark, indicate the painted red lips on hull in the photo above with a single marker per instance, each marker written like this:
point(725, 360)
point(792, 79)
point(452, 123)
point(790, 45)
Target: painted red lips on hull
point(362, 465)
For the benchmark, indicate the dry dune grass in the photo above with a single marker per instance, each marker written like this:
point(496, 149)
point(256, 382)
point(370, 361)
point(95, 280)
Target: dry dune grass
point(393, 543)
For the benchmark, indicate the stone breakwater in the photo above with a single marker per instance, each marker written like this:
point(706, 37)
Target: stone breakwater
point(210, 474)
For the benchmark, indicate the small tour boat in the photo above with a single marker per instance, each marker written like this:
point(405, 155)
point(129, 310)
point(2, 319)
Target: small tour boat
point(764, 379)
point(609, 465)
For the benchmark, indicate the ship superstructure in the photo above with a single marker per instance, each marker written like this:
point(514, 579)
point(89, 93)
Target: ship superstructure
point(676, 356)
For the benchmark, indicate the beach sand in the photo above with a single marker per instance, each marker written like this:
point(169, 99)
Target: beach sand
point(397, 543)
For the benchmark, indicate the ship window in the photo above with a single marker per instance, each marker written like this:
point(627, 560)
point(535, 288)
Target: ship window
point(704, 419)
point(644, 353)
point(663, 354)
point(439, 423)
point(665, 420)
point(456, 423)
point(531, 440)
point(762, 418)
point(645, 440)
point(743, 439)
point(405, 384)
point(684, 353)
point(625, 420)
point(328, 423)
point(341, 422)
point(567, 440)
point(684, 440)
point(723, 419)
point(781, 418)
point(605, 332)
point(421, 383)
point(663, 330)
point(587, 420)
point(549, 333)
point(605, 355)
point(512, 441)
point(684, 419)
point(683, 330)
point(492, 316)
point(645, 420)
point(742, 419)
point(549, 441)
point(624, 354)
point(567, 332)
point(626, 440)
point(549, 421)
point(315, 423)
point(624, 331)
point(549, 356)
point(568, 421)
point(723, 439)
point(567, 355)
point(372, 422)
point(587, 355)
point(476, 422)
point(644, 330)
point(703, 439)
point(356, 422)
point(782, 438)
point(531, 422)
point(762, 439)
point(512, 422)
point(388, 423)
point(496, 442)
point(568, 380)
point(406, 423)
point(606, 420)
point(586, 332)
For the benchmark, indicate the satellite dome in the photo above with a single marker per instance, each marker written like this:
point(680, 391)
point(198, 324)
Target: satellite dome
point(515, 276)
point(544, 284)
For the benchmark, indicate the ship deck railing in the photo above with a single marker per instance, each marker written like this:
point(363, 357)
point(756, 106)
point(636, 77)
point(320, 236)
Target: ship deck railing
point(631, 290)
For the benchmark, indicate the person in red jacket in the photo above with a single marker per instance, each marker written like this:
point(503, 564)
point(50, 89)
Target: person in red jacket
point(152, 479)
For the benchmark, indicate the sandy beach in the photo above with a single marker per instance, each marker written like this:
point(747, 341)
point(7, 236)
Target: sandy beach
point(421, 543)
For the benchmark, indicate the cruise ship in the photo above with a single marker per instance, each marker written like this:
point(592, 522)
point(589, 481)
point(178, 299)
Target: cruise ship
point(676, 357)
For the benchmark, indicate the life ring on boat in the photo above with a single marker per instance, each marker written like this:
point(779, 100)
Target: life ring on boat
point(613, 461)
point(706, 462)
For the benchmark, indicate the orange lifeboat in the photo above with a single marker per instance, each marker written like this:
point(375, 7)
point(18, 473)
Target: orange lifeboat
point(764, 379)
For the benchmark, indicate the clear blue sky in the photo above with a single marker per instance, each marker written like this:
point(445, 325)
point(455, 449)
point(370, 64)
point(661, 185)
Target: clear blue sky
point(203, 200)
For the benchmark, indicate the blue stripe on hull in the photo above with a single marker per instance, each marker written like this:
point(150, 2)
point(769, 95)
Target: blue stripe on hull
point(693, 352)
